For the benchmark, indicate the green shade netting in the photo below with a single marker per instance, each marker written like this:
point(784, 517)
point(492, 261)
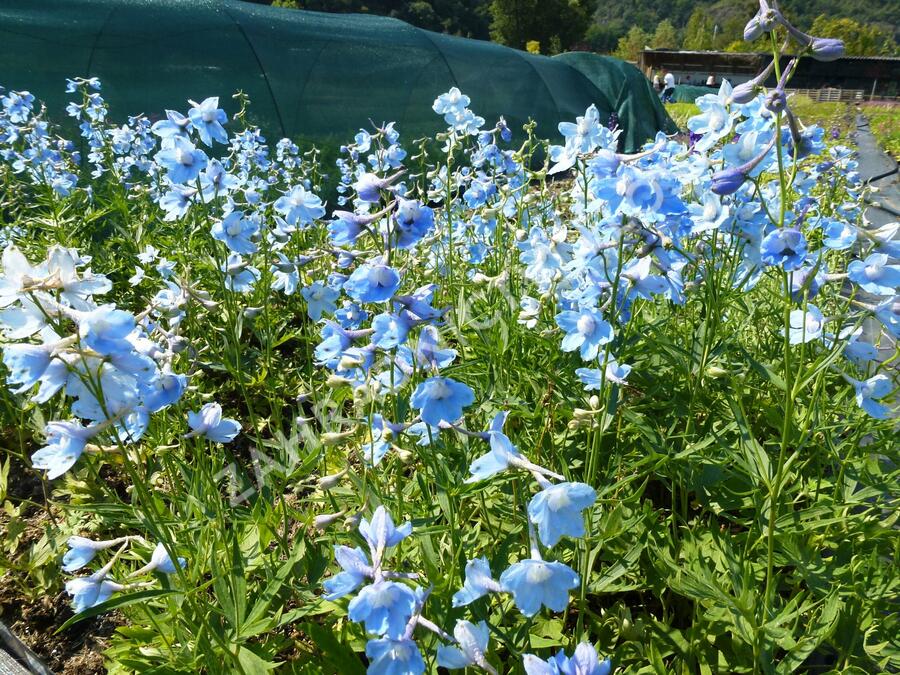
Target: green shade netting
point(688, 93)
point(309, 75)
point(627, 92)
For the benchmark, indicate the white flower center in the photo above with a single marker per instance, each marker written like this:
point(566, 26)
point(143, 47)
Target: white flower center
point(586, 324)
point(538, 573)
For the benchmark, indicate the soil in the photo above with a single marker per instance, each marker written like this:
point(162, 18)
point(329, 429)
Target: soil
point(77, 650)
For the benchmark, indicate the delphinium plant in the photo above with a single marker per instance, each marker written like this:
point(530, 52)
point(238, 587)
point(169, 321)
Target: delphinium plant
point(514, 407)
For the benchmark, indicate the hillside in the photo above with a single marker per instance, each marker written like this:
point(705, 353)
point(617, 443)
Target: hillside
point(614, 19)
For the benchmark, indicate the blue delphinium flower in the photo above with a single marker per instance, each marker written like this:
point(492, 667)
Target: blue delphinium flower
point(584, 661)
point(539, 582)
point(210, 424)
point(713, 123)
point(441, 399)
point(104, 329)
point(65, 444)
point(390, 330)
point(875, 275)
point(556, 511)
point(161, 561)
point(320, 299)
point(216, 181)
point(454, 102)
point(502, 455)
point(182, 161)
point(299, 206)
point(708, 214)
point(207, 118)
point(394, 657)
point(239, 276)
point(806, 325)
point(586, 330)
point(285, 274)
point(385, 607)
point(868, 391)
point(429, 354)
point(30, 364)
point(413, 221)
point(166, 389)
point(786, 248)
point(174, 125)
point(377, 442)
point(380, 533)
point(593, 378)
point(356, 569)
point(472, 643)
point(236, 231)
point(478, 583)
point(177, 201)
point(90, 591)
point(372, 282)
point(839, 234)
point(82, 551)
point(347, 226)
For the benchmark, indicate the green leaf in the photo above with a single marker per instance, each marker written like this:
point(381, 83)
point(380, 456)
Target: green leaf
point(253, 664)
point(335, 654)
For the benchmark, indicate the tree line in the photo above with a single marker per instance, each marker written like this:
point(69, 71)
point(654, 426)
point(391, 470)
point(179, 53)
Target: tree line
point(868, 27)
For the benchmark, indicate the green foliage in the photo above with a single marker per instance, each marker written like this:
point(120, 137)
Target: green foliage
point(884, 123)
point(468, 18)
point(859, 39)
point(746, 516)
point(681, 113)
point(630, 46)
point(698, 33)
point(665, 36)
point(614, 20)
point(555, 24)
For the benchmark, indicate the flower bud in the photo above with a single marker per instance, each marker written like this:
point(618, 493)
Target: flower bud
point(582, 415)
point(252, 312)
point(326, 520)
point(336, 381)
point(328, 482)
point(178, 344)
point(827, 49)
point(728, 181)
point(753, 29)
point(521, 235)
point(715, 372)
point(776, 101)
point(334, 438)
point(743, 93)
point(594, 401)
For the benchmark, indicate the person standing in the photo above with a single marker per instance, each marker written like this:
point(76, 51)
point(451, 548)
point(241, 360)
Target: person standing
point(668, 92)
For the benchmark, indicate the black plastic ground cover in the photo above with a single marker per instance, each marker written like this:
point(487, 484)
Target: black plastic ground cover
point(16, 654)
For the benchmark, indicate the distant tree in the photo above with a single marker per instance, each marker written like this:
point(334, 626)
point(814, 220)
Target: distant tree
point(603, 37)
point(665, 36)
point(469, 18)
point(859, 39)
point(556, 24)
point(631, 46)
point(698, 33)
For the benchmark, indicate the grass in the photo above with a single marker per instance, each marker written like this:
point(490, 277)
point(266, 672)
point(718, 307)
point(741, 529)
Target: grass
point(884, 123)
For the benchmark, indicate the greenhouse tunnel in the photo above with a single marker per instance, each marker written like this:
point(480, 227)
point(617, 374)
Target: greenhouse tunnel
point(309, 75)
